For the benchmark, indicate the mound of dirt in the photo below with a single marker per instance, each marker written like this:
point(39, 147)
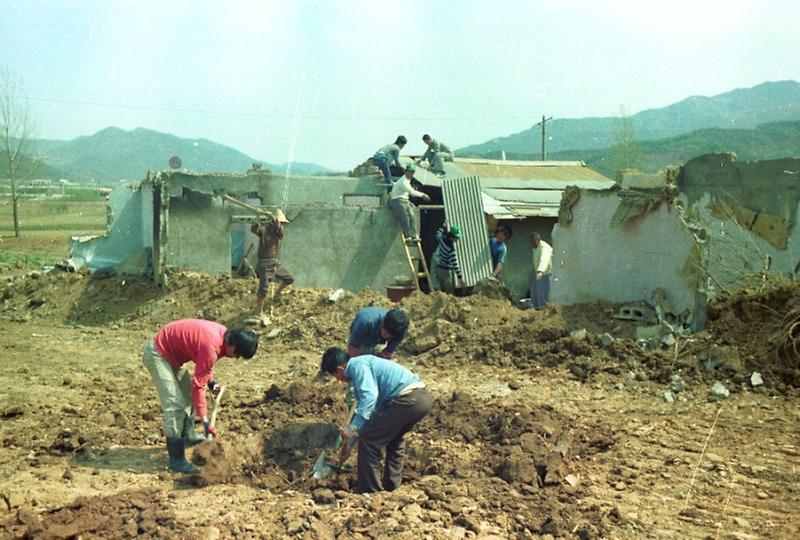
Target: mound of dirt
point(760, 326)
point(126, 515)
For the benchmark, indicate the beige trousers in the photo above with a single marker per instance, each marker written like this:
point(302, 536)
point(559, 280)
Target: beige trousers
point(174, 389)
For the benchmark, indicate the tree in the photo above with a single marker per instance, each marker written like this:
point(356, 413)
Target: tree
point(626, 152)
point(16, 132)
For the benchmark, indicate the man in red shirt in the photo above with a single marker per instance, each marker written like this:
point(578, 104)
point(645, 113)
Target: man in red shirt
point(166, 357)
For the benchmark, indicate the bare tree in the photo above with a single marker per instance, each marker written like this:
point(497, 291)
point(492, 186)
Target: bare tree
point(16, 131)
point(626, 151)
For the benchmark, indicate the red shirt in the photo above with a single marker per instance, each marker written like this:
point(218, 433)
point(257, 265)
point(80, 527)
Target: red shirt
point(193, 340)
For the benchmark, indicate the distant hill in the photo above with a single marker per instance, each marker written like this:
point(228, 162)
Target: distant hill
point(744, 108)
point(113, 154)
point(769, 141)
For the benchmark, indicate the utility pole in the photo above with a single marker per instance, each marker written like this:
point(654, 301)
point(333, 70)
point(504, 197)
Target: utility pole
point(542, 123)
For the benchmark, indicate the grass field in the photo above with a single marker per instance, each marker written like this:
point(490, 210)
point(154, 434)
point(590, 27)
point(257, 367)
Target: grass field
point(46, 225)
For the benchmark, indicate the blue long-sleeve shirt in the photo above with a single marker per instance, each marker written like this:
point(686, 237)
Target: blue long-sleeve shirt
point(375, 382)
point(365, 330)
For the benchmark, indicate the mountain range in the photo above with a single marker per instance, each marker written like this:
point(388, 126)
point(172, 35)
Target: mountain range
point(113, 154)
point(761, 122)
point(768, 141)
point(740, 109)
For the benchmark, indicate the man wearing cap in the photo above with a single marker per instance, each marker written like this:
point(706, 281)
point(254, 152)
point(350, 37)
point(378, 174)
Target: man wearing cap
point(391, 400)
point(448, 268)
point(436, 154)
point(387, 155)
point(400, 203)
point(269, 269)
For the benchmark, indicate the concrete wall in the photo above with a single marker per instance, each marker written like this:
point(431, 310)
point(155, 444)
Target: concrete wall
point(343, 247)
point(734, 257)
point(198, 234)
point(130, 230)
point(594, 262)
point(330, 244)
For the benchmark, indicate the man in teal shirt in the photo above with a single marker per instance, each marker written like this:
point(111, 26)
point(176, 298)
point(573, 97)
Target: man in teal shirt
point(391, 400)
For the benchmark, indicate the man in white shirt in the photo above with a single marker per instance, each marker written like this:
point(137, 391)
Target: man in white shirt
point(400, 203)
point(542, 266)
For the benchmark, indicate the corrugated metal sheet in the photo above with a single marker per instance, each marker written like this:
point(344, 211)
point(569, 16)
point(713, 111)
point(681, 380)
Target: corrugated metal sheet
point(463, 206)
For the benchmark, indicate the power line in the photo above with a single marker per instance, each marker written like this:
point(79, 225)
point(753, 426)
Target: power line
point(273, 114)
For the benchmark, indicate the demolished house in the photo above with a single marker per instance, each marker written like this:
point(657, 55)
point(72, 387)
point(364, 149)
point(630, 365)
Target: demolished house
point(341, 233)
point(680, 237)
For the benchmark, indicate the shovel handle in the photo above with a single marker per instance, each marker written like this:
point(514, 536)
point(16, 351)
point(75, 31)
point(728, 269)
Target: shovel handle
point(212, 421)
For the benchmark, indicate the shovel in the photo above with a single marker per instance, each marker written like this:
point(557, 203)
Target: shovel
point(324, 467)
point(212, 421)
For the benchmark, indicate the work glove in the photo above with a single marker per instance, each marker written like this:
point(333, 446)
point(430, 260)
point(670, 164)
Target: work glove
point(214, 386)
point(209, 431)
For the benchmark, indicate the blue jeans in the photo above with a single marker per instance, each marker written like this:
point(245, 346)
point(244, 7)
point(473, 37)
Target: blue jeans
point(540, 291)
point(383, 164)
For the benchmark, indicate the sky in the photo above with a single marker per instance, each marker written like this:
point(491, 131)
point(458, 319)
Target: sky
point(330, 82)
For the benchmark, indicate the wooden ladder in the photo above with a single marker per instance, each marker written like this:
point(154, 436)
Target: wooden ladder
point(416, 243)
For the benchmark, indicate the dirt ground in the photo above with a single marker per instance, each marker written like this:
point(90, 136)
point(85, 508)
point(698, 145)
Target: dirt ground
point(533, 433)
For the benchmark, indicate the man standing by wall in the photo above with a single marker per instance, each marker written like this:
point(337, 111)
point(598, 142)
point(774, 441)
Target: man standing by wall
point(400, 203)
point(498, 248)
point(448, 268)
point(542, 266)
point(166, 358)
point(436, 154)
point(269, 269)
point(374, 326)
point(387, 155)
point(391, 400)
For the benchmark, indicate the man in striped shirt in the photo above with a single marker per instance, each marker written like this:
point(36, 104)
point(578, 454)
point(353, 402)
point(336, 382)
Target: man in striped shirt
point(448, 268)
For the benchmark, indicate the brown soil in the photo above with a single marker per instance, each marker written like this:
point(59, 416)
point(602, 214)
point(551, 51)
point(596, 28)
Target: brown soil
point(533, 432)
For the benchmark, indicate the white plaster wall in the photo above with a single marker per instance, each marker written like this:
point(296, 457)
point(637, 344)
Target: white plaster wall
point(595, 262)
point(735, 255)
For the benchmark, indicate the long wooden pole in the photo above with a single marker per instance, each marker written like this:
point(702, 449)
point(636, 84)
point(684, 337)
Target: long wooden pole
point(248, 206)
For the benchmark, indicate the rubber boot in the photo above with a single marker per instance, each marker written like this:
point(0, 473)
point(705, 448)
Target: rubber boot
point(177, 456)
point(190, 435)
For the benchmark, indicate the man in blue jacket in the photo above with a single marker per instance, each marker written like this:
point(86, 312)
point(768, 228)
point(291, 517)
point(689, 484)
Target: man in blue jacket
point(372, 327)
point(391, 400)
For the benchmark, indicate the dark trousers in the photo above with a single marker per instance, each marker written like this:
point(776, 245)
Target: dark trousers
point(384, 433)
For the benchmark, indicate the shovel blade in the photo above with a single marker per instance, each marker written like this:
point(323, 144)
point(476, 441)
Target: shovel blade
point(322, 466)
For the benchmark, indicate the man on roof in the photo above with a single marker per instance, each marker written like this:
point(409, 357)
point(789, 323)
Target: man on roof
point(436, 154)
point(388, 155)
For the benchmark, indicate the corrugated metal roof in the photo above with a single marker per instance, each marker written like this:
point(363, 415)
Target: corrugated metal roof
point(520, 189)
point(514, 183)
point(463, 206)
point(534, 196)
point(574, 172)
